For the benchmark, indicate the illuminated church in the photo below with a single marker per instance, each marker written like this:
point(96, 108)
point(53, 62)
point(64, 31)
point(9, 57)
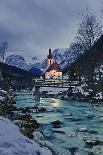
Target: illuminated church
point(53, 70)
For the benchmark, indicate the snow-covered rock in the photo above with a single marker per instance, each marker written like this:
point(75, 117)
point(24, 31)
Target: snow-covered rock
point(2, 98)
point(83, 129)
point(12, 142)
point(99, 95)
point(3, 91)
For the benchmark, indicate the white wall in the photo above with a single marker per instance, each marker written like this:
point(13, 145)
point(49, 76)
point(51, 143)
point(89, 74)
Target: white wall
point(49, 75)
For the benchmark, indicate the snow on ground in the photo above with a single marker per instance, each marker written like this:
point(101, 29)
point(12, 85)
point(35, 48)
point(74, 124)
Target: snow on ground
point(52, 90)
point(3, 91)
point(81, 90)
point(99, 95)
point(12, 142)
point(2, 98)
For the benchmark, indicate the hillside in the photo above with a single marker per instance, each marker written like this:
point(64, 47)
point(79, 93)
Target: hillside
point(88, 70)
point(90, 59)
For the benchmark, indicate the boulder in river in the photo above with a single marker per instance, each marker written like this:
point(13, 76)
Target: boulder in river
point(73, 150)
point(90, 143)
point(91, 153)
point(41, 109)
point(83, 129)
point(67, 114)
point(92, 132)
point(56, 124)
point(90, 117)
point(25, 110)
point(38, 136)
point(74, 119)
point(58, 131)
point(39, 116)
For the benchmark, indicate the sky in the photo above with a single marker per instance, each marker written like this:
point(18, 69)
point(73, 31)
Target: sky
point(31, 27)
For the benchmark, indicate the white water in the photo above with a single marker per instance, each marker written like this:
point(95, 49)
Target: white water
point(56, 110)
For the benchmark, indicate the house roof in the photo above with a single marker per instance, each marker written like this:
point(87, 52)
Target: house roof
point(54, 66)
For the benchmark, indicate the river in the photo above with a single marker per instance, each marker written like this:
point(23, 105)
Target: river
point(67, 137)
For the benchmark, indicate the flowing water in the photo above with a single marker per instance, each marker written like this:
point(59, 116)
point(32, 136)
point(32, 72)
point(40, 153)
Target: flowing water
point(67, 136)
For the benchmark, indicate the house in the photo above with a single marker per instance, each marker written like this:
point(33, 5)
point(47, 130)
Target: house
point(53, 70)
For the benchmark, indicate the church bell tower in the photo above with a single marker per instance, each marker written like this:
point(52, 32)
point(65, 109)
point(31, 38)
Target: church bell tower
point(50, 58)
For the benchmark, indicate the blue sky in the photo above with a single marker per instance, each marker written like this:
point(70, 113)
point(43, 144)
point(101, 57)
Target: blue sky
point(31, 27)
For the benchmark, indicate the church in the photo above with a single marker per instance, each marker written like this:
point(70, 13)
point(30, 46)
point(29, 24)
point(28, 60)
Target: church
point(53, 70)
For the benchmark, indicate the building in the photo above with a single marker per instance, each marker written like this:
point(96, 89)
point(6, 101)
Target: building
point(53, 70)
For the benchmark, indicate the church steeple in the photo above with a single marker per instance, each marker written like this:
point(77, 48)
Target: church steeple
point(50, 58)
point(50, 55)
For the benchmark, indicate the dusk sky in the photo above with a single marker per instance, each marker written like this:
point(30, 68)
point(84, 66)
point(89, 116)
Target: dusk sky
point(31, 27)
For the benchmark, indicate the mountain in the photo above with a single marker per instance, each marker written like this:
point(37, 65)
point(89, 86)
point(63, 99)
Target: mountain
point(63, 56)
point(17, 60)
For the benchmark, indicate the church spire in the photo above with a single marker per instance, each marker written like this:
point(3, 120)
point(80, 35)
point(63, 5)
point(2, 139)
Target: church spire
point(50, 58)
point(50, 55)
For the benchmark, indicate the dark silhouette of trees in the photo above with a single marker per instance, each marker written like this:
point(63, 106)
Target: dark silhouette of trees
point(90, 29)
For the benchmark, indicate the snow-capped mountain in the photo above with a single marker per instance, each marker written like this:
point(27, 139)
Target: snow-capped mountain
point(61, 56)
point(17, 60)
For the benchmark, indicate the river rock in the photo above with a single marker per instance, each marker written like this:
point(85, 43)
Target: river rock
point(38, 136)
point(41, 109)
point(74, 119)
point(58, 131)
point(101, 119)
point(92, 132)
point(90, 117)
point(91, 153)
point(90, 143)
point(56, 124)
point(39, 116)
point(73, 150)
point(67, 114)
point(83, 129)
point(26, 110)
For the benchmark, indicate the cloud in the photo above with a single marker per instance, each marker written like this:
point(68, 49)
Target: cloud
point(31, 27)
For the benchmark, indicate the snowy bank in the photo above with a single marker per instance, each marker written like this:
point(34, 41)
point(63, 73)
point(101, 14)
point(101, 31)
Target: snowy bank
point(12, 142)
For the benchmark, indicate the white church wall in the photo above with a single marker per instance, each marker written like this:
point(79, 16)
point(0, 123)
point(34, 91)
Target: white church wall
point(53, 75)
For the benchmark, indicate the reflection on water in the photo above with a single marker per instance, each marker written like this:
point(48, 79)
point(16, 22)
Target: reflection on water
point(67, 136)
point(55, 103)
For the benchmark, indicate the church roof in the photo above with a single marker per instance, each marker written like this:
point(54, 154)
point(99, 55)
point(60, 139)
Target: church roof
point(54, 66)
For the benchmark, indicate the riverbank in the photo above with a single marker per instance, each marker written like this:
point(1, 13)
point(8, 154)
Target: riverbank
point(18, 136)
point(12, 142)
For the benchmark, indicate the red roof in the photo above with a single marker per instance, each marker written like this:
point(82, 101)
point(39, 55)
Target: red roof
point(54, 66)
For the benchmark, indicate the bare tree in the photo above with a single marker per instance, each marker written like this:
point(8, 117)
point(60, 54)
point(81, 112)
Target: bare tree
point(3, 48)
point(90, 29)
